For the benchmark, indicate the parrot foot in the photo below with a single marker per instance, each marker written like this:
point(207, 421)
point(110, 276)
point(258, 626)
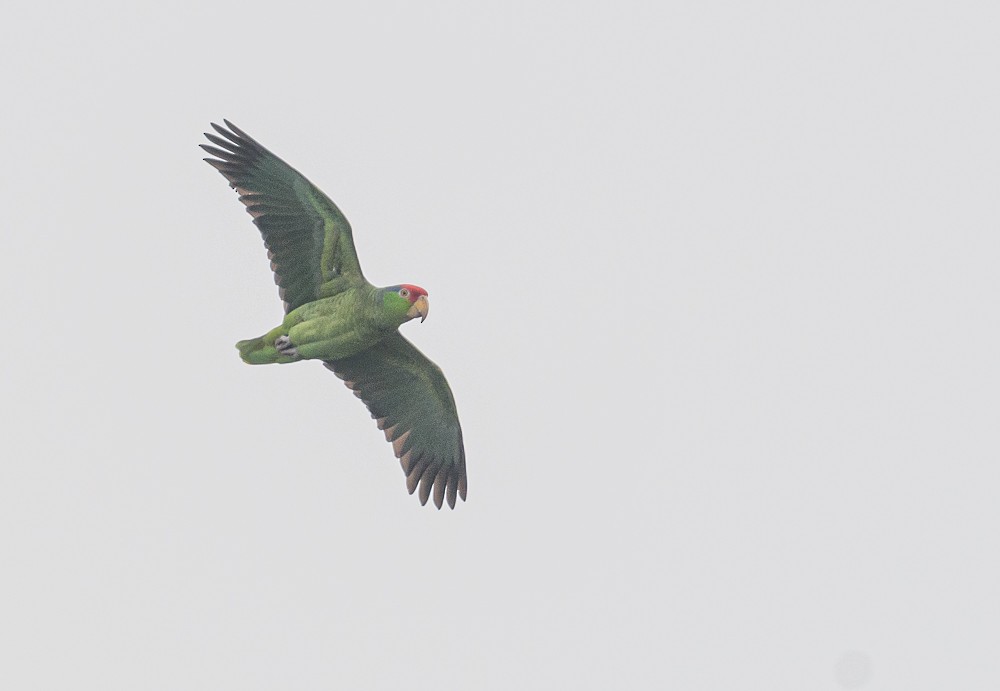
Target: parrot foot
point(285, 347)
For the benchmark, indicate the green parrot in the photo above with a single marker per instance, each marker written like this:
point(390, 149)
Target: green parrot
point(333, 314)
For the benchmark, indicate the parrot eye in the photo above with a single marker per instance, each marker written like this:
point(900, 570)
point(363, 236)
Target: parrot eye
point(404, 293)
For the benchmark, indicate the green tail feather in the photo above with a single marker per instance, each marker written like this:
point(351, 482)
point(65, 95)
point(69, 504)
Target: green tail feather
point(256, 351)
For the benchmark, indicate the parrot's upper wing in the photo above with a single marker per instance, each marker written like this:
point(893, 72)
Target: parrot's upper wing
point(308, 240)
point(408, 395)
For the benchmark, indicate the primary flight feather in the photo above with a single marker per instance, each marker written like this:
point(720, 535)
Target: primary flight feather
point(333, 314)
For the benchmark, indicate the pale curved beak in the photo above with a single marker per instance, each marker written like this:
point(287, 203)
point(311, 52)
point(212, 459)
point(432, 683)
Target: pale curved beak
point(419, 308)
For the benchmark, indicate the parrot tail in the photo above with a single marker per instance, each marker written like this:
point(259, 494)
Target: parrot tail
point(258, 351)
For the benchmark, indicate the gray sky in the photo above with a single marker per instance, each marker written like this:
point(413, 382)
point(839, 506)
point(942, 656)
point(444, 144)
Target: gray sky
point(715, 285)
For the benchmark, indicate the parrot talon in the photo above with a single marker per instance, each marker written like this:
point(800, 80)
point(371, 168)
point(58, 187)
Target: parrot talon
point(285, 347)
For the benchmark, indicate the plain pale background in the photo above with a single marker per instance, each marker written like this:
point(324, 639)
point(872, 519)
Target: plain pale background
point(715, 285)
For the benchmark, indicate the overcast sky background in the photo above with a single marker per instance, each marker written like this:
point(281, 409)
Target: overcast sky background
point(715, 285)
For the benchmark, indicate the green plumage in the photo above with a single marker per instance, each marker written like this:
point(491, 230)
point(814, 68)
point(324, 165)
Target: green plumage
point(334, 315)
point(331, 328)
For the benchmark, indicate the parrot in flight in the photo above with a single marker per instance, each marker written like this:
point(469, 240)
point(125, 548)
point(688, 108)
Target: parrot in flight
point(334, 315)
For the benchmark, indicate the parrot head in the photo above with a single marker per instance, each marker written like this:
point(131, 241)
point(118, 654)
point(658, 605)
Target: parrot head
point(406, 302)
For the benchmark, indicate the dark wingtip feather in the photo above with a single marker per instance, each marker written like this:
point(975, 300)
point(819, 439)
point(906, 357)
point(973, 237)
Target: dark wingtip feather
point(224, 143)
point(231, 136)
point(426, 483)
point(238, 132)
point(221, 166)
point(224, 155)
point(417, 469)
point(439, 486)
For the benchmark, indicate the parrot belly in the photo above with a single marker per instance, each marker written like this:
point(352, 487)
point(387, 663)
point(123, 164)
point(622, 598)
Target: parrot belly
point(327, 329)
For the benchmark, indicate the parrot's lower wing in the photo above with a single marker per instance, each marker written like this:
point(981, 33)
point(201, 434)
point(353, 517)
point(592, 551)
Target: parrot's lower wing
point(410, 399)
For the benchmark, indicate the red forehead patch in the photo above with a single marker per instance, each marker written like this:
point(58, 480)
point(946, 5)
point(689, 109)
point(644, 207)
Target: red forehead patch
point(415, 291)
